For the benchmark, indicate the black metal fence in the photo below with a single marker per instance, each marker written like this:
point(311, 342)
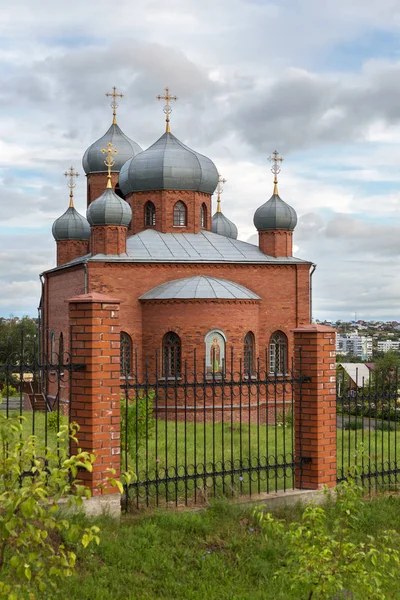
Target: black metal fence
point(368, 427)
point(200, 435)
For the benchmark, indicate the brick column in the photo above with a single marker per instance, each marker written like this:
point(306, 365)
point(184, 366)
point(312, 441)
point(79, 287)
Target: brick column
point(315, 407)
point(95, 406)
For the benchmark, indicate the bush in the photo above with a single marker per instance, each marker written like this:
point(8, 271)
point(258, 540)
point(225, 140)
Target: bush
point(33, 552)
point(354, 424)
point(55, 421)
point(384, 426)
point(137, 421)
point(323, 561)
point(8, 390)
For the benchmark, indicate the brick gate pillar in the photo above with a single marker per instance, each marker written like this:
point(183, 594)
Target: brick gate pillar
point(315, 407)
point(95, 391)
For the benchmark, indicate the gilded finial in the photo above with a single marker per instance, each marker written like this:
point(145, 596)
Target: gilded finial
point(220, 189)
point(114, 104)
point(109, 161)
point(167, 108)
point(71, 173)
point(275, 168)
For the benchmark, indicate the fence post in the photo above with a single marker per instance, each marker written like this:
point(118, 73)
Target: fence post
point(315, 407)
point(95, 391)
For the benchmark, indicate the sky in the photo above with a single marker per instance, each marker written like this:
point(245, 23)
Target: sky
point(317, 81)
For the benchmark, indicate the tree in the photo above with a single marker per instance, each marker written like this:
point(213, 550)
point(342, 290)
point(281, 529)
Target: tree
point(36, 542)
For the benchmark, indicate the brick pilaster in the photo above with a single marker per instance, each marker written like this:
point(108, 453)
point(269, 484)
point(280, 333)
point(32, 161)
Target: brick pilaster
point(95, 391)
point(315, 407)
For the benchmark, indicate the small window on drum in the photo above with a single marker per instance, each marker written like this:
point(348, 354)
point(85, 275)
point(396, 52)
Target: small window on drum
point(149, 214)
point(278, 353)
point(180, 217)
point(125, 354)
point(203, 216)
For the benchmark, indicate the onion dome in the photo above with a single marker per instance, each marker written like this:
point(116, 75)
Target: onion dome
point(275, 214)
point(168, 165)
point(200, 287)
point(93, 160)
point(71, 226)
point(223, 226)
point(109, 209)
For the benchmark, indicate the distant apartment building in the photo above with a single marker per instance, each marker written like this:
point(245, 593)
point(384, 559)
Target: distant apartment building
point(352, 343)
point(386, 345)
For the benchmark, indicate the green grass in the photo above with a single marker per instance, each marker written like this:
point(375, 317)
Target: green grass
point(216, 554)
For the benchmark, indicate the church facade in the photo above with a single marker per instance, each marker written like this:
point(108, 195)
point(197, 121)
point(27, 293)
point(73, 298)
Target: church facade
point(190, 291)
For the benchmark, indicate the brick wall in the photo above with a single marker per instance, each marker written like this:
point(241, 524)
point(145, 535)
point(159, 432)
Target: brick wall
point(68, 250)
point(276, 243)
point(110, 239)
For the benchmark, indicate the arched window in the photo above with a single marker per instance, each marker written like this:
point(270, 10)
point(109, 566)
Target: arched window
point(149, 214)
point(125, 353)
point(249, 353)
point(203, 216)
point(215, 352)
point(61, 350)
point(278, 346)
point(171, 347)
point(180, 214)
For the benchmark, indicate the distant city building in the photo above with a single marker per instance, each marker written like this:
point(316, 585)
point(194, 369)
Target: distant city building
point(386, 345)
point(352, 343)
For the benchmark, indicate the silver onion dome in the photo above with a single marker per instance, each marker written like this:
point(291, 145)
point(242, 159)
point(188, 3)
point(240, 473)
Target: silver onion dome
point(71, 226)
point(93, 159)
point(275, 214)
point(109, 209)
point(223, 226)
point(168, 165)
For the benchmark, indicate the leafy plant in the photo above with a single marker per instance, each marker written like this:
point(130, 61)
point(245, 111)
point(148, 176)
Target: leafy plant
point(36, 542)
point(354, 424)
point(137, 422)
point(323, 561)
point(384, 426)
point(55, 421)
point(8, 390)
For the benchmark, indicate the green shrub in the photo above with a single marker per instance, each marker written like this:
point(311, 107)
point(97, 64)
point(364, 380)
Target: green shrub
point(55, 422)
point(33, 552)
point(354, 424)
point(137, 422)
point(384, 426)
point(322, 560)
point(8, 390)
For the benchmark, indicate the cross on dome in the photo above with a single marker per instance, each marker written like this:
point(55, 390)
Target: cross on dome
point(71, 174)
point(109, 161)
point(220, 189)
point(276, 169)
point(114, 104)
point(167, 108)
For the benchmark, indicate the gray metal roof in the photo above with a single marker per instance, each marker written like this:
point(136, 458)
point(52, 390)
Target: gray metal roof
point(93, 159)
point(168, 165)
point(71, 226)
point(275, 214)
point(200, 287)
point(222, 225)
point(109, 209)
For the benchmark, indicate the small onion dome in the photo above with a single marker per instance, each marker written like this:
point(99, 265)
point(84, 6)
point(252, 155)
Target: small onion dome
point(223, 226)
point(168, 165)
point(93, 159)
point(275, 214)
point(71, 226)
point(109, 209)
point(200, 287)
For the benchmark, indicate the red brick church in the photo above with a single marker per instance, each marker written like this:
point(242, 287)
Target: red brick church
point(184, 280)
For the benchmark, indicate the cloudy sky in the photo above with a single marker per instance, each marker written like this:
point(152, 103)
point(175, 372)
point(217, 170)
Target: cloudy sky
point(318, 81)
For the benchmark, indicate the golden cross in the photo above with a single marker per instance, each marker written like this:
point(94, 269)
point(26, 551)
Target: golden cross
point(275, 168)
point(109, 161)
point(114, 104)
point(220, 189)
point(71, 173)
point(167, 109)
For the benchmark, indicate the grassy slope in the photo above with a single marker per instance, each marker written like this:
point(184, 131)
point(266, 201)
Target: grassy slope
point(215, 554)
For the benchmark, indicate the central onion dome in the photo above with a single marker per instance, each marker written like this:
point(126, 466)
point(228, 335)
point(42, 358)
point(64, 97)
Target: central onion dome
point(71, 226)
point(93, 160)
point(168, 165)
point(109, 209)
